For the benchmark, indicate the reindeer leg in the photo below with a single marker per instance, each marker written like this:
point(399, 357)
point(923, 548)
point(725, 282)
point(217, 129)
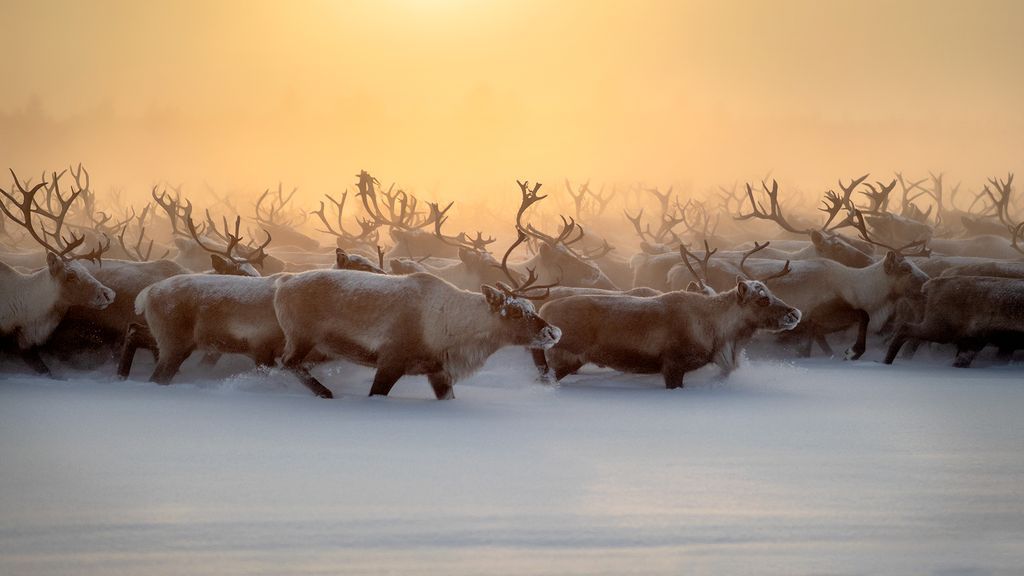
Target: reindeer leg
point(137, 336)
point(168, 365)
point(539, 360)
point(673, 374)
point(563, 363)
point(966, 351)
point(294, 353)
point(860, 345)
point(442, 385)
point(898, 338)
point(384, 380)
point(822, 341)
point(34, 361)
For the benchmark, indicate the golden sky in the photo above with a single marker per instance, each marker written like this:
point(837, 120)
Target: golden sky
point(462, 95)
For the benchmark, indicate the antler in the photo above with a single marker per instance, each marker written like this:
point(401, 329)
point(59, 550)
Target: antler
point(369, 233)
point(439, 217)
point(522, 289)
point(757, 248)
point(687, 255)
point(171, 206)
point(255, 257)
point(135, 252)
point(1001, 198)
point(879, 197)
point(834, 203)
point(273, 214)
point(401, 206)
point(857, 221)
point(774, 212)
point(28, 206)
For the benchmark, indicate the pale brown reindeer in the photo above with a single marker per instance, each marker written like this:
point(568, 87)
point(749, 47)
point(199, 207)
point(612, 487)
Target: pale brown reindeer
point(34, 303)
point(415, 324)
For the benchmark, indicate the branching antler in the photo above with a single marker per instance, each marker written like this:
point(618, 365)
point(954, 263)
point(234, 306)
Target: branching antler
point(857, 221)
point(1001, 198)
point(135, 251)
point(255, 257)
point(879, 197)
point(757, 248)
point(401, 207)
point(171, 205)
point(52, 240)
point(439, 216)
point(368, 234)
point(702, 279)
point(523, 289)
point(273, 214)
point(774, 212)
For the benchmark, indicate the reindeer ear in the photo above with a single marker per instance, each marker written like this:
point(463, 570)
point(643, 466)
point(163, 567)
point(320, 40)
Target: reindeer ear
point(220, 264)
point(694, 287)
point(54, 263)
point(817, 237)
point(340, 258)
point(544, 248)
point(890, 262)
point(496, 298)
point(742, 289)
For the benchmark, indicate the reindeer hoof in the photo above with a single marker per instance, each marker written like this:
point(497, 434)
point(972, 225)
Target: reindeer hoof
point(323, 393)
point(852, 354)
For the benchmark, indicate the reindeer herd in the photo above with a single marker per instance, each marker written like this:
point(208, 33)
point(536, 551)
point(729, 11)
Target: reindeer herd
point(686, 284)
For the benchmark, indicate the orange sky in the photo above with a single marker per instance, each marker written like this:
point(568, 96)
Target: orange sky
point(460, 96)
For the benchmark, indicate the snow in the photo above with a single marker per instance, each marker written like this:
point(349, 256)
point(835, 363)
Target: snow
point(788, 467)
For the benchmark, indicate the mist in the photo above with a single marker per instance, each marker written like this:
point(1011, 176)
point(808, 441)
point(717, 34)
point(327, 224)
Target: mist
point(457, 99)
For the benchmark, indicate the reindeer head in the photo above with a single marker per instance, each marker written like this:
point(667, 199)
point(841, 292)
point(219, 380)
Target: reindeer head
point(518, 319)
point(77, 286)
point(835, 247)
point(346, 261)
point(763, 308)
point(559, 261)
point(484, 266)
point(907, 277)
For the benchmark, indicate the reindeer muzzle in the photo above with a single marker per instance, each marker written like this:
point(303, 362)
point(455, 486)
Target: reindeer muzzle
point(548, 337)
point(104, 299)
point(790, 320)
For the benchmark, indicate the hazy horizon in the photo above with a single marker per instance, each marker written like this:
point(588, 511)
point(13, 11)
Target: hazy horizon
point(462, 97)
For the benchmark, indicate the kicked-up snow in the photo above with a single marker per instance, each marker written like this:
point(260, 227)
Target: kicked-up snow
point(788, 467)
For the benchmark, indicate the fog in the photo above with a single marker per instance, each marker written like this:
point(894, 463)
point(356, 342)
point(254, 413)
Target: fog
point(456, 99)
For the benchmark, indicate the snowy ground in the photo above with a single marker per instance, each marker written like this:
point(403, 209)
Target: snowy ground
point(803, 467)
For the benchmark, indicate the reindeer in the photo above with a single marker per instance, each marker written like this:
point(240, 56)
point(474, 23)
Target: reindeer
point(345, 261)
point(213, 313)
point(273, 218)
point(413, 324)
point(369, 234)
point(226, 258)
point(833, 296)
point(34, 303)
point(971, 312)
point(556, 261)
point(665, 270)
point(670, 334)
point(399, 211)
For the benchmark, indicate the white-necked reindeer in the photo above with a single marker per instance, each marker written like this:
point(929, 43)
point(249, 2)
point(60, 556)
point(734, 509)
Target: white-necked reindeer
point(34, 303)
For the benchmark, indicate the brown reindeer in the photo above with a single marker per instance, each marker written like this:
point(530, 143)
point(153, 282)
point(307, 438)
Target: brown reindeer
point(971, 312)
point(670, 334)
